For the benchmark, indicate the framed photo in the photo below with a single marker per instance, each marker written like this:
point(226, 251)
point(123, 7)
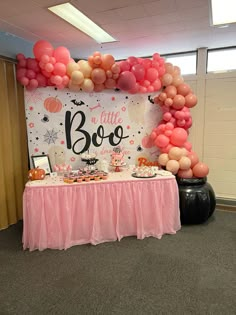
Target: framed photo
point(43, 162)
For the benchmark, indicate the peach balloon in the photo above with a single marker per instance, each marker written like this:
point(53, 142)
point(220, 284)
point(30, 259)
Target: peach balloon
point(71, 66)
point(178, 101)
point(166, 79)
point(87, 85)
point(73, 87)
point(183, 89)
point(172, 166)
point(99, 87)
point(77, 77)
point(170, 91)
point(200, 170)
point(190, 100)
point(107, 61)
point(184, 163)
point(185, 173)
point(98, 76)
point(175, 153)
point(177, 80)
point(169, 67)
point(85, 68)
point(163, 159)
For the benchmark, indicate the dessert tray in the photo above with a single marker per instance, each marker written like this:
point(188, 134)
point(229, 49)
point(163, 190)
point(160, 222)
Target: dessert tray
point(140, 176)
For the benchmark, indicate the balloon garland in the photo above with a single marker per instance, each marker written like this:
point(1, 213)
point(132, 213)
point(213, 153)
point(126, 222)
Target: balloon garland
point(55, 67)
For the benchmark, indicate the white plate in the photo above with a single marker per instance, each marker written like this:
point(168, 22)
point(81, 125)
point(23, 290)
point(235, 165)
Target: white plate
point(163, 173)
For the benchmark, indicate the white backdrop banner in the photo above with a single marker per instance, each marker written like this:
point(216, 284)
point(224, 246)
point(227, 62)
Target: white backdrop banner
point(65, 124)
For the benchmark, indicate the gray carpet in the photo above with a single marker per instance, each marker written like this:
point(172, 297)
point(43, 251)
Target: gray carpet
point(192, 272)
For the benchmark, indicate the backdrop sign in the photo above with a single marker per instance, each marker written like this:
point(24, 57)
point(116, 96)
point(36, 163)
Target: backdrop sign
point(65, 124)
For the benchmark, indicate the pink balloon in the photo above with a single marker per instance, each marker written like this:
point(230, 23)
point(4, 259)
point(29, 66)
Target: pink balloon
point(45, 58)
point(41, 79)
point(151, 74)
point(20, 57)
point(21, 72)
point(32, 64)
point(135, 89)
point(167, 148)
point(185, 173)
point(150, 89)
point(62, 54)
point(110, 83)
point(187, 145)
point(126, 81)
point(179, 114)
point(24, 81)
point(167, 116)
point(33, 84)
point(49, 67)
point(193, 157)
point(30, 74)
point(169, 126)
point(99, 87)
point(22, 63)
point(138, 71)
point(157, 84)
point(42, 47)
point(170, 91)
point(162, 141)
point(168, 102)
point(124, 66)
point(200, 170)
point(166, 79)
point(132, 60)
point(179, 136)
point(59, 69)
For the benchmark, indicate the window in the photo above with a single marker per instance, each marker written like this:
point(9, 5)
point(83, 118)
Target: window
point(187, 62)
point(221, 60)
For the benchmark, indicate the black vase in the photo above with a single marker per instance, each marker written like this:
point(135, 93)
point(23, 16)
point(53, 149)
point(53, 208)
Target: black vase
point(197, 200)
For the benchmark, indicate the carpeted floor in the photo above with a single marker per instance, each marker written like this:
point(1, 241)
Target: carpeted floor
point(192, 272)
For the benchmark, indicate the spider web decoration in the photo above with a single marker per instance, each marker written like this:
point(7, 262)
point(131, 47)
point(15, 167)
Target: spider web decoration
point(33, 96)
point(50, 136)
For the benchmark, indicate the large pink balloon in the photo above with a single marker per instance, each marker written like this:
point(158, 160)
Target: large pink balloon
point(179, 136)
point(62, 54)
point(126, 81)
point(42, 47)
point(138, 71)
point(200, 170)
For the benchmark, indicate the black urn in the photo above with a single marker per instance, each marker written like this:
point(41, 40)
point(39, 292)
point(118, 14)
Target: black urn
point(196, 200)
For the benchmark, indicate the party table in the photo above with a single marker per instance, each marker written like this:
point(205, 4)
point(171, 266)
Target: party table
point(58, 215)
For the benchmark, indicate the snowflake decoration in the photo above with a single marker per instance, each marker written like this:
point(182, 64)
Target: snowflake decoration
point(50, 136)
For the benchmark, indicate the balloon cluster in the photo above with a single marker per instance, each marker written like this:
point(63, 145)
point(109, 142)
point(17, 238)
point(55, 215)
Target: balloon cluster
point(171, 134)
point(55, 67)
point(141, 75)
point(46, 69)
point(184, 163)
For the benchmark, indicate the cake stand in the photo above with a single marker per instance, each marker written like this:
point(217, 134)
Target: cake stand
point(117, 167)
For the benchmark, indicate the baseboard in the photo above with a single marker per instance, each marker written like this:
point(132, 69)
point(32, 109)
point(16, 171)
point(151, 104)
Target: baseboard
point(226, 204)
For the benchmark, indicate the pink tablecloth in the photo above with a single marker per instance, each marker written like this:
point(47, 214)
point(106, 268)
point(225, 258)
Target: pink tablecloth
point(58, 215)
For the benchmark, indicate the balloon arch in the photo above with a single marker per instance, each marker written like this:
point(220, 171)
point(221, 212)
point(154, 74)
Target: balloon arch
point(55, 67)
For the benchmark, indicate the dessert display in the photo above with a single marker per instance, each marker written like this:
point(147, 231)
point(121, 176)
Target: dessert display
point(144, 172)
point(84, 176)
point(117, 159)
point(89, 158)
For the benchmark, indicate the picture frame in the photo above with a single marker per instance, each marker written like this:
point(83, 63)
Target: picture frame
point(42, 162)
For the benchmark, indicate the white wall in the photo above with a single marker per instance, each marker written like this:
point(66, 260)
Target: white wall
point(213, 133)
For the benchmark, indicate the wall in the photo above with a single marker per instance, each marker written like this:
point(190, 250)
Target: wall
point(213, 133)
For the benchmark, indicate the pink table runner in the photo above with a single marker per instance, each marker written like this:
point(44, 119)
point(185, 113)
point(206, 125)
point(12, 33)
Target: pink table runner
point(59, 215)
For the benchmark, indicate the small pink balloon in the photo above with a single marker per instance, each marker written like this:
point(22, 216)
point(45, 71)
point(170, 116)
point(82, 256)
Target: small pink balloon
point(187, 145)
point(24, 81)
point(49, 67)
point(157, 84)
point(20, 57)
point(59, 69)
point(193, 157)
point(170, 91)
point(167, 148)
point(99, 87)
point(167, 116)
point(30, 74)
point(124, 66)
point(168, 102)
point(178, 101)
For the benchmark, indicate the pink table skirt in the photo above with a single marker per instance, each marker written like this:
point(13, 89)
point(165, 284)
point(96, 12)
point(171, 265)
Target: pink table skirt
point(61, 216)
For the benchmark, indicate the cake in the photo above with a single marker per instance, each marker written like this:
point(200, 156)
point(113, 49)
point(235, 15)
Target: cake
point(117, 157)
point(89, 158)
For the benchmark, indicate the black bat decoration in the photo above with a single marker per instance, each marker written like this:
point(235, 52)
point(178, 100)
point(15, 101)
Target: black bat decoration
point(150, 99)
point(78, 103)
